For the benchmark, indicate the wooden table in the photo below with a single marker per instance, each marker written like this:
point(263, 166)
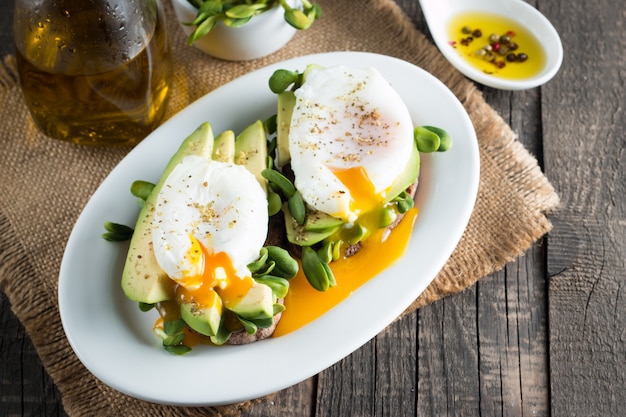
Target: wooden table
point(546, 336)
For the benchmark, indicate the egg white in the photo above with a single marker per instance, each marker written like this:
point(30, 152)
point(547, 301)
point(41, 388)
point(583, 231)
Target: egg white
point(345, 118)
point(221, 205)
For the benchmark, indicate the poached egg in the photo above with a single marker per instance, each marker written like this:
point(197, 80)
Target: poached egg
point(210, 221)
point(351, 136)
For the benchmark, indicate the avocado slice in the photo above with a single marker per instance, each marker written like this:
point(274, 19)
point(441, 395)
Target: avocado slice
point(224, 147)
point(258, 303)
point(203, 319)
point(317, 221)
point(251, 151)
point(299, 235)
point(286, 103)
point(142, 279)
point(408, 176)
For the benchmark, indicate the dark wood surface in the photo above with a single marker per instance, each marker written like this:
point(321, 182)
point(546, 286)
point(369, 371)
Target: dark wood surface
point(546, 336)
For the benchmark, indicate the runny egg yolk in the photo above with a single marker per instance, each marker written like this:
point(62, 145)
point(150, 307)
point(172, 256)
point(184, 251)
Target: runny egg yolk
point(304, 304)
point(365, 202)
point(364, 198)
point(217, 282)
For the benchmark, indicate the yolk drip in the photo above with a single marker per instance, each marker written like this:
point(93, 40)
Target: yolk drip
point(236, 289)
point(204, 296)
point(362, 191)
point(216, 284)
point(305, 304)
point(194, 257)
point(217, 281)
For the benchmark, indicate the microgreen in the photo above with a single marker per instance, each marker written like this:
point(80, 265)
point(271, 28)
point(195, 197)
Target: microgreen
point(116, 232)
point(235, 13)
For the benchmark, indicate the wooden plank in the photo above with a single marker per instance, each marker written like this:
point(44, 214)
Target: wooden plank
point(513, 352)
point(484, 351)
point(584, 144)
point(376, 380)
point(396, 361)
point(512, 313)
point(25, 387)
point(298, 400)
point(448, 379)
point(348, 387)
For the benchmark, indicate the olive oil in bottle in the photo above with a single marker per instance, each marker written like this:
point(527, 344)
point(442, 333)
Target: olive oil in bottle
point(94, 71)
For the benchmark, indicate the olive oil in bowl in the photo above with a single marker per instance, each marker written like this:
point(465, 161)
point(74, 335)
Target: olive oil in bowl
point(496, 45)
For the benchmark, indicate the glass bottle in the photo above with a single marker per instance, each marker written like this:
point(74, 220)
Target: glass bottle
point(93, 71)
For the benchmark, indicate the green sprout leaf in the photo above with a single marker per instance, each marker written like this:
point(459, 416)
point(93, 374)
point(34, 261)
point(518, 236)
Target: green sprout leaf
point(270, 126)
point(144, 307)
point(235, 23)
point(281, 79)
point(285, 266)
point(222, 336)
point(274, 203)
point(178, 349)
point(174, 340)
point(202, 29)
point(297, 19)
point(279, 286)
point(278, 308)
point(248, 325)
point(141, 189)
point(279, 182)
point(296, 207)
point(314, 269)
point(431, 139)
point(445, 140)
point(244, 11)
point(171, 328)
point(404, 202)
point(257, 265)
point(116, 232)
point(426, 140)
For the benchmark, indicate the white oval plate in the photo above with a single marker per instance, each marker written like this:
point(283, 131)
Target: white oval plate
point(114, 340)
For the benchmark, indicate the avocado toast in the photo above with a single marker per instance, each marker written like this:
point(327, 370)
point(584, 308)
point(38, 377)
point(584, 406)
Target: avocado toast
point(174, 263)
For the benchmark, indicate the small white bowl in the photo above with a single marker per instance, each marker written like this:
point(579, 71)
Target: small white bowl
point(438, 14)
point(264, 34)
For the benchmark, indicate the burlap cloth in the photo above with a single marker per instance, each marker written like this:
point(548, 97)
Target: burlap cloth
point(45, 183)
